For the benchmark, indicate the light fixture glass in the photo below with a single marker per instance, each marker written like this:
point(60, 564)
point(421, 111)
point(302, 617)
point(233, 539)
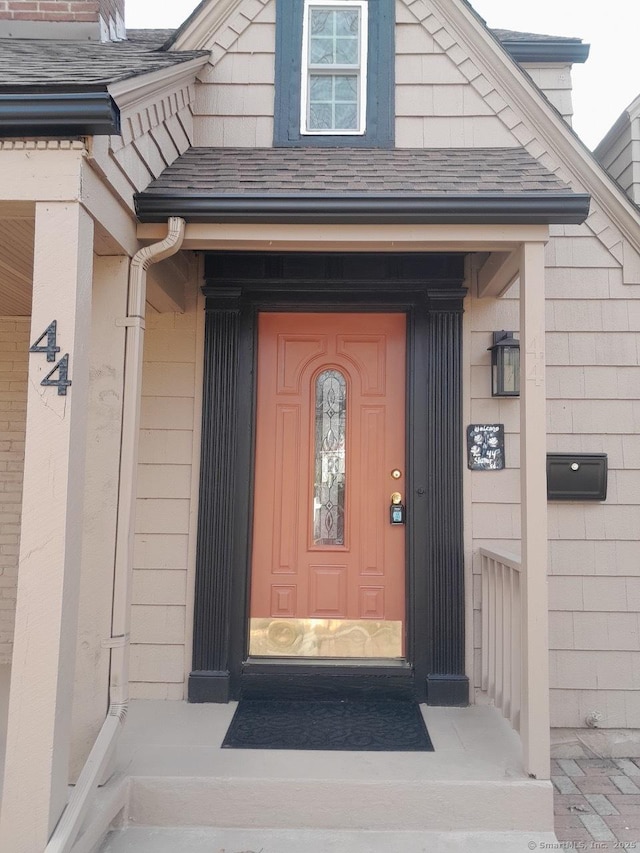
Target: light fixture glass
point(505, 365)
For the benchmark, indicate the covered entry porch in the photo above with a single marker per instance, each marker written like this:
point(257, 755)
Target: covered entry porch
point(495, 254)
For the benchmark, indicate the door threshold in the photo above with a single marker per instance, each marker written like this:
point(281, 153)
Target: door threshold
point(326, 679)
point(391, 663)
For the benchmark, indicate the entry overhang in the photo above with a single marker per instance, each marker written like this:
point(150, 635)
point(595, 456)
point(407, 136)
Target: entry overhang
point(353, 186)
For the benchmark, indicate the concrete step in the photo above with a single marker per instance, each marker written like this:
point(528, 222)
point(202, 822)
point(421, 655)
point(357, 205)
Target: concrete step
point(334, 803)
point(473, 781)
point(207, 840)
point(184, 792)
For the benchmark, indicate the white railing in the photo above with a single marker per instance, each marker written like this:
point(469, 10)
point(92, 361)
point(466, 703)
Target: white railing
point(503, 618)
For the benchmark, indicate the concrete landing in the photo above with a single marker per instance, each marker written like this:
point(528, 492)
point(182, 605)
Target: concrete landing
point(201, 840)
point(474, 780)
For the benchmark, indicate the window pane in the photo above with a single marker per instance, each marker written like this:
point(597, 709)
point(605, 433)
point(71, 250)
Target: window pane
point(346, 117)
point(321, 51)
point(333, 102)
point(322, 22)
point(320, 117)
point(347, 51)
point(320, 88)
point(346, 88)
point(330, 469)
point(334, 37)
point(347, 22)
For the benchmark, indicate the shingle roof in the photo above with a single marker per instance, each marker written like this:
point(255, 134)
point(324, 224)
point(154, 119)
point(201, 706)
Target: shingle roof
point(34, 63)
point(238, 171)
point(514, 36)
point(29, 63)
point(340, 185)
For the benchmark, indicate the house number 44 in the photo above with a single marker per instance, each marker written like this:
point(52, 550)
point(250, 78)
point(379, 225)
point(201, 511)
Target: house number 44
point(57, 377)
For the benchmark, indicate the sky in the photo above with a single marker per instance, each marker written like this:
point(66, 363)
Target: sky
point(602, 88)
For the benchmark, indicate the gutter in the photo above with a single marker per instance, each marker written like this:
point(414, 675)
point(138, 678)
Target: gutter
point(58, 114)
point(547, 51)
point(70, 823)
point(367, 208)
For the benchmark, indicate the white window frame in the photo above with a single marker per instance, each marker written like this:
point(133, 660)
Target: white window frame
point(360, 69)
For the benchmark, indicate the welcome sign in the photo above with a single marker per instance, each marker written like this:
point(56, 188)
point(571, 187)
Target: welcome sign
point(485, 447)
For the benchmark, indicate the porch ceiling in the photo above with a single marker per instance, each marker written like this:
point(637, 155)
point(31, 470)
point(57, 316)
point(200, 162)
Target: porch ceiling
point(16, 259)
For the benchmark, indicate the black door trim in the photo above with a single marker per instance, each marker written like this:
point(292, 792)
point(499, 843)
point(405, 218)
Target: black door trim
point(428, 288)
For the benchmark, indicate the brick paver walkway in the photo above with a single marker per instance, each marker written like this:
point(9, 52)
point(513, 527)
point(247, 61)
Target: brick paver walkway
point(597, 803)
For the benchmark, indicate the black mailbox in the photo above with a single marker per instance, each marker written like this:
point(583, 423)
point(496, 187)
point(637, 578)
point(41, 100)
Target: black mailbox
point(576, 476)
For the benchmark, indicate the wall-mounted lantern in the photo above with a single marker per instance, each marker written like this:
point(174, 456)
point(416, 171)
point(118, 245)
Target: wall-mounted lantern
point(505, 365)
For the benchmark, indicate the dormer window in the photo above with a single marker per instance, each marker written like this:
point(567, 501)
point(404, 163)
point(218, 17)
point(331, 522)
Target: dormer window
point(334, 67)
point(335, 63)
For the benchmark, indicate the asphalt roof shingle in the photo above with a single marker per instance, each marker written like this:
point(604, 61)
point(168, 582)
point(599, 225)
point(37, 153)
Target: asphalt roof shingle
point(40, 63)
point(29, 63)
point(517, 36)
point(251, 171)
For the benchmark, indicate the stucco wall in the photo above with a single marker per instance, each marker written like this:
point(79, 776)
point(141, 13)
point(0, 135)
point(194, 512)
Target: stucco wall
point(14, 345)
point(165, 532)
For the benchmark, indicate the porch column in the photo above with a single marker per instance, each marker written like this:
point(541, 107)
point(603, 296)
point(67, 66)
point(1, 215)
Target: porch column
point(533, 508)
point(91, 694)
point(39, 731)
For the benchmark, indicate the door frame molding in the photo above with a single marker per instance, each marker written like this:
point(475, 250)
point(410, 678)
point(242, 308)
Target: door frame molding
point(428, 288)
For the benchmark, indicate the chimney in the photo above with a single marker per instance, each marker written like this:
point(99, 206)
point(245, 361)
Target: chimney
point(78, 20)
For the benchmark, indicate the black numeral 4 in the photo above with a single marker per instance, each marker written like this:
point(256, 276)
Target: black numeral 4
point(51, 349)
point(62, 382)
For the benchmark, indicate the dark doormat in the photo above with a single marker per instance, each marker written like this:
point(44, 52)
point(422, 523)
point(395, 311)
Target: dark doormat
point(375, 726)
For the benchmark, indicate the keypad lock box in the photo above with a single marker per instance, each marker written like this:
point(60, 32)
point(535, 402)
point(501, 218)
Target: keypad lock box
point(397, 513)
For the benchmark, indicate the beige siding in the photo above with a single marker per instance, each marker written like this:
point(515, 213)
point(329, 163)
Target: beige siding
point(14, 344)
point(619, 153)
point(444, 97)
point(235, 96)
point(154, 134)
point(164, 509)
point(594, 584)
point(555, 82)
point(593, 389)
point(437, 105)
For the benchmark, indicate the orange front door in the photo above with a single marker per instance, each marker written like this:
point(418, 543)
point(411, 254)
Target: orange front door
point(328, 567)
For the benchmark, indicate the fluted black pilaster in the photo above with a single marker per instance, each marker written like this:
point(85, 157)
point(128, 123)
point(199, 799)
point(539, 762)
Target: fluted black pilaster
point(446, 682)
point(209, 681)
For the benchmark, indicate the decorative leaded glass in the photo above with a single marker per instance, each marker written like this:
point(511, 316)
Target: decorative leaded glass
point(333, 102)
point(334, 36)
point(334, 48)
point(330, 471)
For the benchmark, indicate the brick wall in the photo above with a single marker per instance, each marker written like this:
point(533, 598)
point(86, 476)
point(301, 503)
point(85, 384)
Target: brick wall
point(109, 14)
point(14, 343)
